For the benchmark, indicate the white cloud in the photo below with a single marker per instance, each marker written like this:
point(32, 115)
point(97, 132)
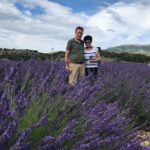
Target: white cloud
point(116, 24)
point(129, 21)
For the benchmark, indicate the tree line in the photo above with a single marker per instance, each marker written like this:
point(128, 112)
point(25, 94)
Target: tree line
point(126, 56)
point(56, 56)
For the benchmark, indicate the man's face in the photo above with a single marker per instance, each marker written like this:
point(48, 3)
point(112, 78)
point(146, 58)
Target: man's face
point(78, 34)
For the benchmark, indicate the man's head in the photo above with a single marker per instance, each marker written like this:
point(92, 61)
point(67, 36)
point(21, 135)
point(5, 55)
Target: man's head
point(79, 32)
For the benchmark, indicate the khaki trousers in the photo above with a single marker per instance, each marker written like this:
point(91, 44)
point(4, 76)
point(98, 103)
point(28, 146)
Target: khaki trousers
point(77, 71)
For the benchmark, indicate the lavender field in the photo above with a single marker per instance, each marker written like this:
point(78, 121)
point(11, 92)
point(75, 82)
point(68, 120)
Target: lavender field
point(40, 111)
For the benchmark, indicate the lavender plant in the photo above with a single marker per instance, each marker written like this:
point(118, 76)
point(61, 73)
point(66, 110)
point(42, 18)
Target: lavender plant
point(39, 110)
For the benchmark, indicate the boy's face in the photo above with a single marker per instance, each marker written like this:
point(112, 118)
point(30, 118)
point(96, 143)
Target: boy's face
point(88, 43)
point(78, 34)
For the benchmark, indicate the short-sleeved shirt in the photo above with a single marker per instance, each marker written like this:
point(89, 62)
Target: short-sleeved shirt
point(90, 54)
point(76, 51)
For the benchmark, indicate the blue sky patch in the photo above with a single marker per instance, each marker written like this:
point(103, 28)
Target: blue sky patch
point(87, 6)
point(37, 10)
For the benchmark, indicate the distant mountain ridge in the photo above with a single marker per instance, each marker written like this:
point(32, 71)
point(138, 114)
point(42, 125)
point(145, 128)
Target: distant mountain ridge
point(17, 51)
point(131, 48)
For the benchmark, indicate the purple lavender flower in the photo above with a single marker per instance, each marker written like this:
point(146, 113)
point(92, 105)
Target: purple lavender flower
point(42, 122)
point(8, 133)
point(93, 114)
point(4, 103)
point(21, 143)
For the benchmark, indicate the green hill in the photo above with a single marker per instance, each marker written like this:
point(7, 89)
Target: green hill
point(132, 48)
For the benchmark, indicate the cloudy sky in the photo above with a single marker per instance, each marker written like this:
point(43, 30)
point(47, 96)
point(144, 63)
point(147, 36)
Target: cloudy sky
point(47, 24)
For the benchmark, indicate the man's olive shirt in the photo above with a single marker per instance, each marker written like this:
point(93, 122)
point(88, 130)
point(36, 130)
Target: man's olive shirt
point(76, 51)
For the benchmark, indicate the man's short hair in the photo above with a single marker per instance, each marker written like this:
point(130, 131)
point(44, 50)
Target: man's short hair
point(79, 28)
point(87, 37)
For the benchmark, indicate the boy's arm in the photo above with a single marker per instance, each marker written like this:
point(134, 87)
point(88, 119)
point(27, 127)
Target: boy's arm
point(98, 57)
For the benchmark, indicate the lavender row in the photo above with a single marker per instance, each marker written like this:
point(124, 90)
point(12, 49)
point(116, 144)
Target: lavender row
point(39, 110)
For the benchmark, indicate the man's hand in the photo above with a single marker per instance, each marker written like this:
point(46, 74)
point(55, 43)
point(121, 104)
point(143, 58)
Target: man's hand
point(68, 69)
point(67, 61)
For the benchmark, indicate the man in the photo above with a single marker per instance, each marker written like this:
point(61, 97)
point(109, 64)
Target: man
point(74, 57)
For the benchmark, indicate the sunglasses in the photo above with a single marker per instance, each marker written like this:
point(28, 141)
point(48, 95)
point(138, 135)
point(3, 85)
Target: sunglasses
point(87, 42)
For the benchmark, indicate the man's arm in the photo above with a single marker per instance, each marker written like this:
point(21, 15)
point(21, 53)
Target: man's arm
point(67, 59)
point(68, 48)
